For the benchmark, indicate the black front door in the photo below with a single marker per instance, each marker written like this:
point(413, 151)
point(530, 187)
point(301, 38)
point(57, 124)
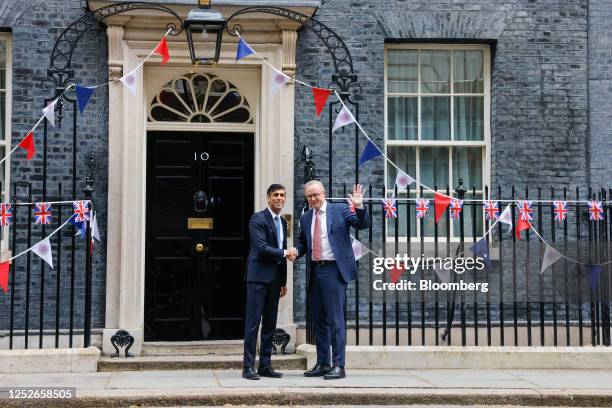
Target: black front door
point(199, 200)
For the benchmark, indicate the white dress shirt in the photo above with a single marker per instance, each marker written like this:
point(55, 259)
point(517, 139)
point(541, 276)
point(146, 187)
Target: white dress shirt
point(281, 230)
point(326, 250)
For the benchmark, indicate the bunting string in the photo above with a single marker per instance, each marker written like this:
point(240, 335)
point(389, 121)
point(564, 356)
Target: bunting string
point(82, 92)
point(244, 50)
point(47, 237)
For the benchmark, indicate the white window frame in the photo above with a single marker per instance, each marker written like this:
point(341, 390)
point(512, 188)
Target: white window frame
point(486, 143)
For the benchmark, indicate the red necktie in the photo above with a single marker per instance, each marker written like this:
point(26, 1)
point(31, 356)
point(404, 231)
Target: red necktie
point(317, 246)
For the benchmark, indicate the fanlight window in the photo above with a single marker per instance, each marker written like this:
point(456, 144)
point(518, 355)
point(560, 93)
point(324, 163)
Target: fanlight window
point(200, 98)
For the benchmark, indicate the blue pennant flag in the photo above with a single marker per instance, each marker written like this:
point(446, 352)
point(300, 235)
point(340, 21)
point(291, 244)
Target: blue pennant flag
point(244, 50)
point(83, 94)
point(370, 152)
point(481, 249)
point(593, 272)
point(81, 226)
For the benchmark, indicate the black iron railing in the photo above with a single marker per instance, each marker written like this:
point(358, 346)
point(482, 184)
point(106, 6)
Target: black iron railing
point(521, 306)
point(45, 304)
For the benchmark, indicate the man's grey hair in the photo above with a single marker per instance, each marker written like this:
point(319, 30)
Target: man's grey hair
point(314, 183)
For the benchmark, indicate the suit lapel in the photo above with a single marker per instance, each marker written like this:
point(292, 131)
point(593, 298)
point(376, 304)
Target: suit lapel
point(307, 226)
point(270, 221)
point(328, 219)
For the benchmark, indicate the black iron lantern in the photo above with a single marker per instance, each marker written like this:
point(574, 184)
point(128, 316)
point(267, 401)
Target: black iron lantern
point(204, 24)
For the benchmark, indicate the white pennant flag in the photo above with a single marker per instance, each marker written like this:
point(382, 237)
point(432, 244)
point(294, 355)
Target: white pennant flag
point(444, 274)
point(358, 249)
point(506, 217)
point(551, 256)
point(344, 118)
point(43, 249)
point(402, 181)
point(129, 80)
point(49, 112)
point(95, 232)
point(278, 80)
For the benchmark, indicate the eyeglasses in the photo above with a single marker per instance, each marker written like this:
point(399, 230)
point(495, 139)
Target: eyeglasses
point(313, 196)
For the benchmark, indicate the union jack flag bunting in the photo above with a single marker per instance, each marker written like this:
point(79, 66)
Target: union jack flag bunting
point(491, 209)
point(596, 212)
point(81, 210)
point(422, 206)
point(5, 215)
point(525, 210)
point(390, 208)
point(560, 210)
point(455, 208)
point(42, 213)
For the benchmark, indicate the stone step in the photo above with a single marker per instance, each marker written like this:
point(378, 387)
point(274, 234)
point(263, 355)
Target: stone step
point(211, 362)
point(193, 348)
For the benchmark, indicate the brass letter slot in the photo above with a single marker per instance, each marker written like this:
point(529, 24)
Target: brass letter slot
point(200, 223)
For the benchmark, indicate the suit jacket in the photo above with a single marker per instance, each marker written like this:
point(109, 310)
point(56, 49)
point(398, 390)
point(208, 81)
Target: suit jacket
point(266, 259)
point(339, 219)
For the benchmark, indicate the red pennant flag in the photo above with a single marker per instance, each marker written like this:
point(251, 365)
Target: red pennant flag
point(28, 144)
point(4, 270)
point(441, 203)
point(396, 272)
point(520, 226)
point(162, 49)
point(320, 98)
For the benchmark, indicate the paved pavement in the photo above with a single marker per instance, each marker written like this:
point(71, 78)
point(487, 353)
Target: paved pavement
point(361, 387)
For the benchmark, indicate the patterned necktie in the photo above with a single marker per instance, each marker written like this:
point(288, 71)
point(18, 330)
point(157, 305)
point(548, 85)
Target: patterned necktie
point(277, 222)
point(317, 246)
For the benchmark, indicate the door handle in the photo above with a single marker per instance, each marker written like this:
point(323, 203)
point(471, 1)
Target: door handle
point(199, 247)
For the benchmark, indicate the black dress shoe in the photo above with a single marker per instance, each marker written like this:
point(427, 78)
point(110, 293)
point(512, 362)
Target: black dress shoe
point(267, 371)
point(335, 374)
point(250, 374)
point(318, 370)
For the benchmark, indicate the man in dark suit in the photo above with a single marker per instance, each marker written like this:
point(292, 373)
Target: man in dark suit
point(325, 240)
point(266, 280)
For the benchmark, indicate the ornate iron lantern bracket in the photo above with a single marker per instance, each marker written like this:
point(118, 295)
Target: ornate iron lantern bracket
point(59, 74)
point(344, 79)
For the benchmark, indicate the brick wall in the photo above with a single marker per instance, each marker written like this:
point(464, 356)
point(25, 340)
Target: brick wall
point(35, 26)
point(539, 88)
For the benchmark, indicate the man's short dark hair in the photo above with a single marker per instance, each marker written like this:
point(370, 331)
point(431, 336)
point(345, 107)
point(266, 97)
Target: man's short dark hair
point(275, 187)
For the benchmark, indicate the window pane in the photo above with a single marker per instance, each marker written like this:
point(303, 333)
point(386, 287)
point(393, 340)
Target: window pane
point(467, 164)
point(435, 118)
point(468, 215)
point(2, 116)
point(402, 116)
point(468, 72)
point(435, 71)
point(402, 73)
point(434, 166)
point(469, 118)
point(405, 158)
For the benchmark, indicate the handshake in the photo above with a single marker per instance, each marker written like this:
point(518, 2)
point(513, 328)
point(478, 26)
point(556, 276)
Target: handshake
point(292, 254)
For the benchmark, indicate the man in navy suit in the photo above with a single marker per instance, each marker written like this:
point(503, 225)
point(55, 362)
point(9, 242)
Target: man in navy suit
point(266, 281)
point(325, 240)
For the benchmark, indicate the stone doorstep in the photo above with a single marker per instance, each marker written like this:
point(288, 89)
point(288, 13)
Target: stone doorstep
point(65, 360)
point(193, 348)
point(342, 396)
point(211, 362)
point(447, 357)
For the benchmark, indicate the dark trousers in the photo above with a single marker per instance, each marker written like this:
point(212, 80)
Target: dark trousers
point(261, 306)
point(328, 293)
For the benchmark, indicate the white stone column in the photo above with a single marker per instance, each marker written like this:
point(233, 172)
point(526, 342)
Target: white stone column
point(285, 165)
point(114, 34)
